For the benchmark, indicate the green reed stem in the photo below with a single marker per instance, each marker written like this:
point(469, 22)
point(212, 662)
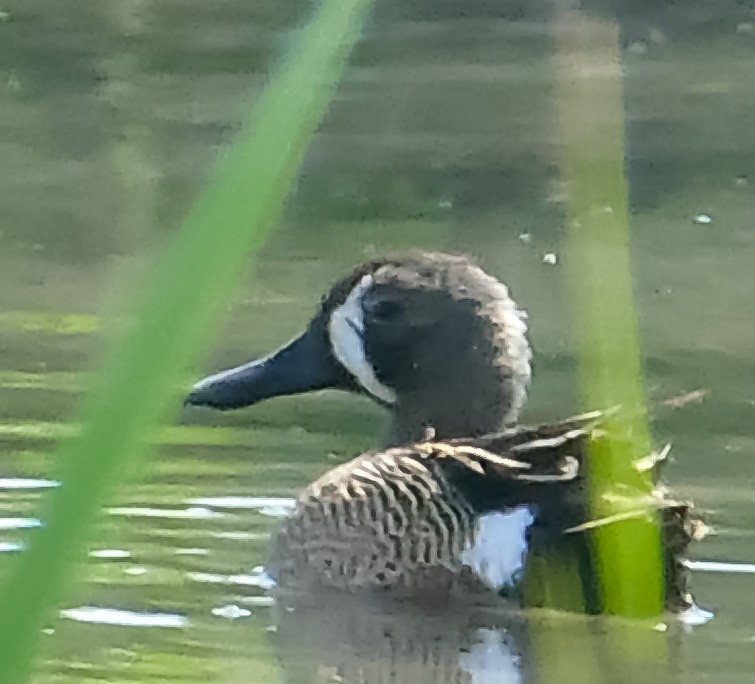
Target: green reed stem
point(591, 122)
point(182, 299)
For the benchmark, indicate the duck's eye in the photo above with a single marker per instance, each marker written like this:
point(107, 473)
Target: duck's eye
point(383, 310)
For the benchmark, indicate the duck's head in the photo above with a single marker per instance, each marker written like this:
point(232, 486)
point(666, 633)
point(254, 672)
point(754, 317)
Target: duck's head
point(432, 337)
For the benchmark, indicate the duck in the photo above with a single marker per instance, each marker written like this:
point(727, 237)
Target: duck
point(460, 497)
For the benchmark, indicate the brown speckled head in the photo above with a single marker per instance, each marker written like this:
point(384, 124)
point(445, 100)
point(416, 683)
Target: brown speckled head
point(431, 336)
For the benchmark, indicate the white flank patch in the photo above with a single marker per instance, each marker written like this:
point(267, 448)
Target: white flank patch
point(346, 330)
point(500, 547)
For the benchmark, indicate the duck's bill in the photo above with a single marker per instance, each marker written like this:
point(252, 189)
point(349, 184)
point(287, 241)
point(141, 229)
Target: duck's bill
point(303, 365)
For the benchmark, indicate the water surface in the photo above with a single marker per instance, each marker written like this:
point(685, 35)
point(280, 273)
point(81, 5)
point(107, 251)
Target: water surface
point(442, 136)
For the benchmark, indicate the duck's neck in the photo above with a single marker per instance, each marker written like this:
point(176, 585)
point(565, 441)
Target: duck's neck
point(476, 391)
point(449, 415)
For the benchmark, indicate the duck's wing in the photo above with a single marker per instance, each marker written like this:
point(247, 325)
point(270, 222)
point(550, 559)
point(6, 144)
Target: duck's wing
point(555, 453)
point(525, 465)
point(546, 466)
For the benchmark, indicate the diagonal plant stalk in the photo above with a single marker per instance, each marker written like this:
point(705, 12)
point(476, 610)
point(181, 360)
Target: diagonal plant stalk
point(182, 299)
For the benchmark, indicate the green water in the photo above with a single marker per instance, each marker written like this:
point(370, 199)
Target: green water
point(443, 135)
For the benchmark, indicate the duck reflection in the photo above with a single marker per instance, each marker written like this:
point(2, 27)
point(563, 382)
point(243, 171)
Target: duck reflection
point(335, 637)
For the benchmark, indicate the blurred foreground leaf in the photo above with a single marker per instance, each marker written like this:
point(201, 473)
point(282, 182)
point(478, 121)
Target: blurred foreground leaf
point(182, 299)
point(591, 126)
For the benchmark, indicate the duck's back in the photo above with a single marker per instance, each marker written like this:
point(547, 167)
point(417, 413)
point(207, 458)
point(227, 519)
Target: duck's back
point(434, 515)
point(461, 515)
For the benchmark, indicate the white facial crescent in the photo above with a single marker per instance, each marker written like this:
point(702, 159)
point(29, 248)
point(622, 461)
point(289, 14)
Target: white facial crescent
point(346, 330)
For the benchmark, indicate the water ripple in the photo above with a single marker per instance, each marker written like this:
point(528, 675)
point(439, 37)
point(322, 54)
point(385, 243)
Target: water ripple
point(257, 578)
point(110, 554)
point(231, 612)
point(193, 513)
point(721, 566)
point(273, 506)
point(123, 618)
point(27, 483)
point(19, 523)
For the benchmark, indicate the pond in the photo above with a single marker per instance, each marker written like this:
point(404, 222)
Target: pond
point(443, 135)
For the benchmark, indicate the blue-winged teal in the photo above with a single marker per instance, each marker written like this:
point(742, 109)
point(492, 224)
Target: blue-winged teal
point(459, 496)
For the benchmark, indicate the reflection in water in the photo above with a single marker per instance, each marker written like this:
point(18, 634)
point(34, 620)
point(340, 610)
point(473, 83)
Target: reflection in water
point(337, 637)
point(490, 659)
point(695, 615)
